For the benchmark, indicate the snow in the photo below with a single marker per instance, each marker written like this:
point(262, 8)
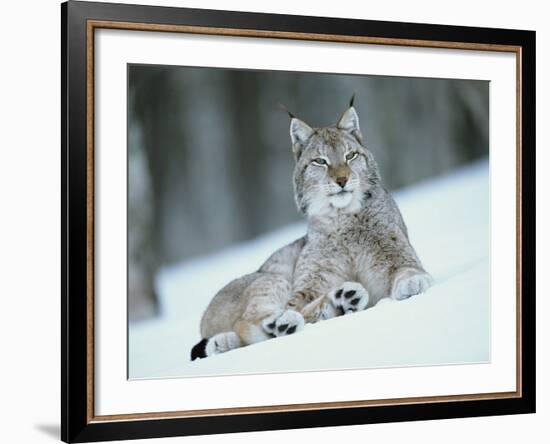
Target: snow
point(448, 218)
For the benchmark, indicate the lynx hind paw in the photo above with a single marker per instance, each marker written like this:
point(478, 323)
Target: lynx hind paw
point(410, 283)
point(221, 343)
point(287, 323)
point(350, 297)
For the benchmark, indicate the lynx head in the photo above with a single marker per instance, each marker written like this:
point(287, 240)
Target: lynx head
point(333, 170)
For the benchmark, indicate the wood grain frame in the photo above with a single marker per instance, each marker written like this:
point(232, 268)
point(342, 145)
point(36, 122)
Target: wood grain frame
point(79, 22)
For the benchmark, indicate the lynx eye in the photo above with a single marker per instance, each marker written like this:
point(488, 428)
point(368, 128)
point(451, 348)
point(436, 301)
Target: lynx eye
point(319, 161)
point(351, 156)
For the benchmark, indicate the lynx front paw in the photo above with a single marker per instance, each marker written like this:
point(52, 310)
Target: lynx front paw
point(349, 297)
point(287, 323)
point(409, 282)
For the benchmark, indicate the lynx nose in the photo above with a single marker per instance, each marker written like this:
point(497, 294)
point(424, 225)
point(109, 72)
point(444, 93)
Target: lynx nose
point(342, 181)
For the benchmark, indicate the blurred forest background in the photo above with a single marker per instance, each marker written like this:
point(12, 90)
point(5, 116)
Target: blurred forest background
point(210, 162)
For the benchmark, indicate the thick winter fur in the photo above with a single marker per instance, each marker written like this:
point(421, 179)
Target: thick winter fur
point(252, 308)
point(356, 250)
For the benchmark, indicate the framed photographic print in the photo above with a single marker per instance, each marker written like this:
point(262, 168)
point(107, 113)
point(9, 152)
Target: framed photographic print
point(276, 221)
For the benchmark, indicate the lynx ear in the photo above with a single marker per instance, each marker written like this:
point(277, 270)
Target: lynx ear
point(350, 122)
point(300, 132)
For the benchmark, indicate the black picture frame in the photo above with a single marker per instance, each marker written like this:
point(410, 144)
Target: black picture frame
point(77, 425)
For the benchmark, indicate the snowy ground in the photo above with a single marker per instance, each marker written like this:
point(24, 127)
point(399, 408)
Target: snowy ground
point(449, 225)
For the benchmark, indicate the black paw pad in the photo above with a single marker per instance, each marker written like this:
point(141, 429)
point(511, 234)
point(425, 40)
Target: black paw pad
point(291, 330)
point(282, 327)
point(338, 294)
point(271, 326)
point(349, 294)
point(354, 301)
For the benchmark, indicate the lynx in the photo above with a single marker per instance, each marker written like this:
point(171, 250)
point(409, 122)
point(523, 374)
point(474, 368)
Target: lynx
point(356, 250)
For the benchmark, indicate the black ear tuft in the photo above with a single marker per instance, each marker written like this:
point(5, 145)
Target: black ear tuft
point(352, 100)
point(199, 350)
point(284, 108)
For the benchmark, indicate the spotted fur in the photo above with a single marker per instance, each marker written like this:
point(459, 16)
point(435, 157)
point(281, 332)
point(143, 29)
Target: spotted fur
point(356, 250)
point(355, 230)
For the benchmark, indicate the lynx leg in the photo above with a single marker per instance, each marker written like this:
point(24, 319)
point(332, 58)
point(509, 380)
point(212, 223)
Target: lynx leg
point(245, 333)
point(250, 333)
point(315, 276)
point(319, 310)
point(220, 343)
